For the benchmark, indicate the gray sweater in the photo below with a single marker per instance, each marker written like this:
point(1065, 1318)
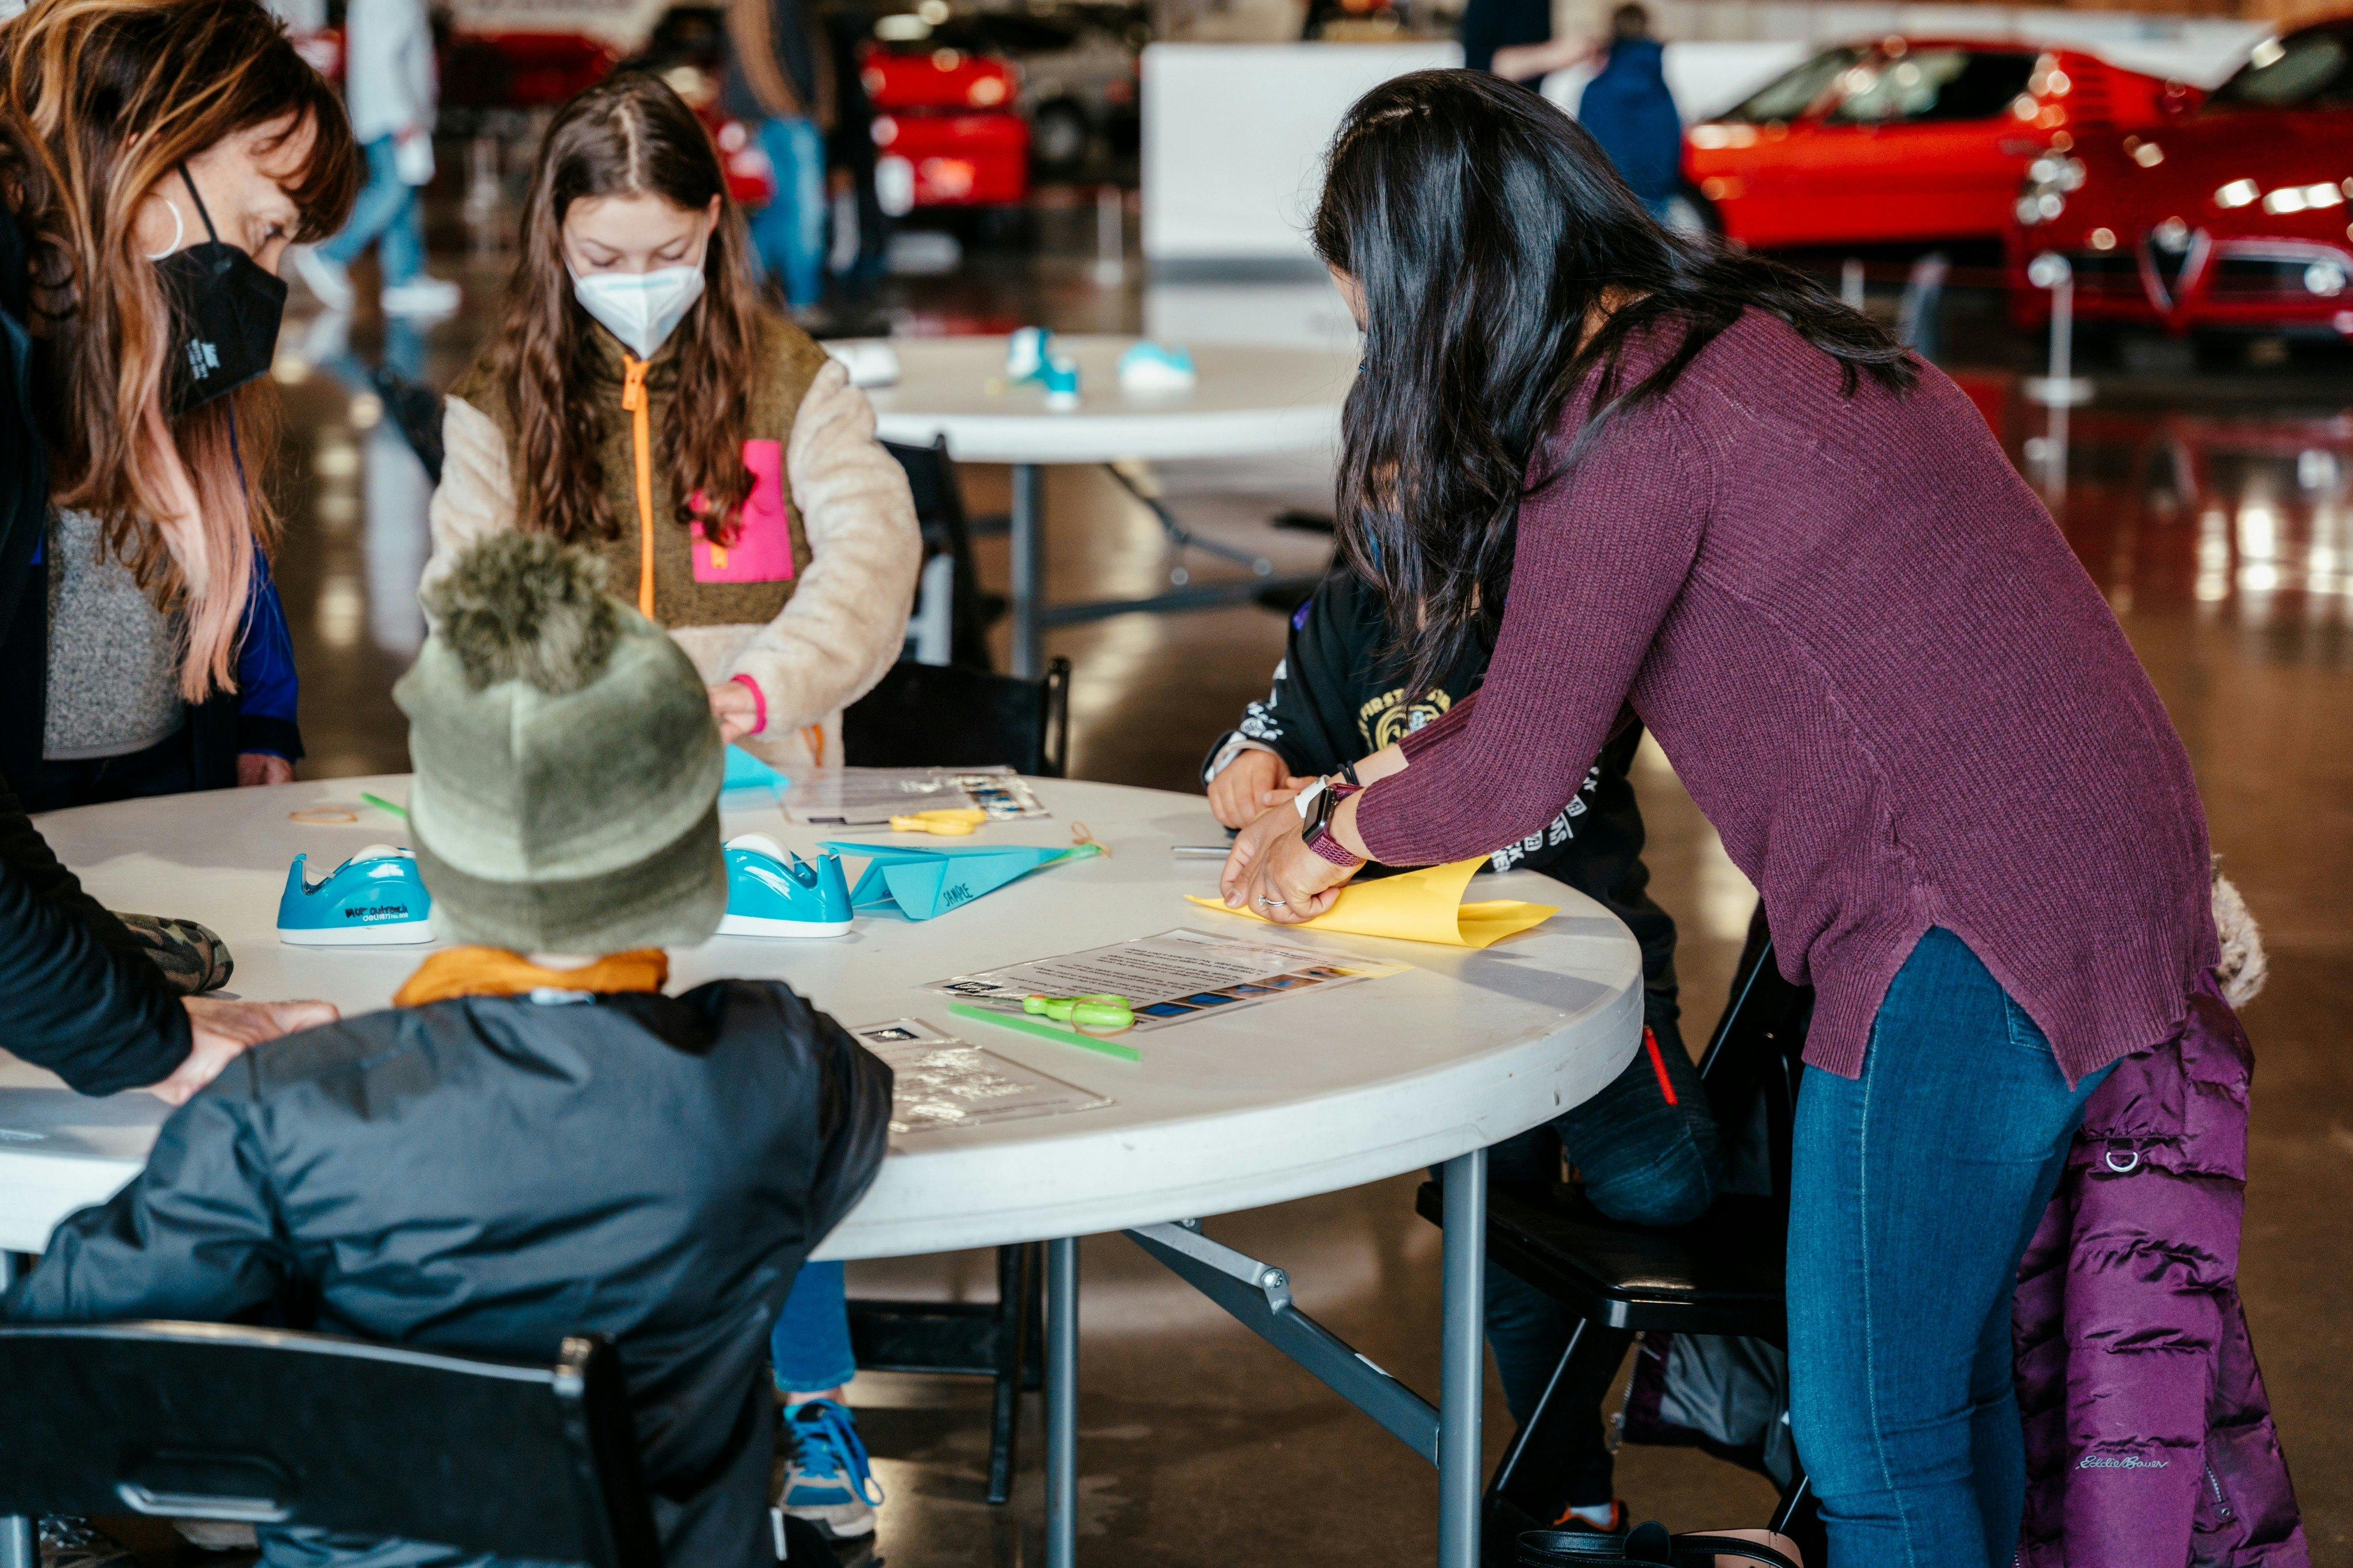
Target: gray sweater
point(114, 657)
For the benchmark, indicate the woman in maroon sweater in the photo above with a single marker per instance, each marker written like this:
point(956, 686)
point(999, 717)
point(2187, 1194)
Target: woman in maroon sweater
point(1723, 502)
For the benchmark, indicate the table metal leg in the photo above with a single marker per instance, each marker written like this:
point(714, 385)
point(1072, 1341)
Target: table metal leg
point(1029, 595)
point(1061, 1402)
point(16, 1548)
point(1462, 1367)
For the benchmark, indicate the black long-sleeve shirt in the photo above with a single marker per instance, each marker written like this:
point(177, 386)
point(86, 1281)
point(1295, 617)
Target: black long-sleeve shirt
point(1336, 699)
point(77, 996)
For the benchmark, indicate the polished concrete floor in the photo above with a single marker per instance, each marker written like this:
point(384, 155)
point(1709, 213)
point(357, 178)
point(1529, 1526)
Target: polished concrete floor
point(2214, 507)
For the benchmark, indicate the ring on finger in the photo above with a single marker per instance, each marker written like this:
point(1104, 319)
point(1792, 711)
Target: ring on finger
point(1274, 903)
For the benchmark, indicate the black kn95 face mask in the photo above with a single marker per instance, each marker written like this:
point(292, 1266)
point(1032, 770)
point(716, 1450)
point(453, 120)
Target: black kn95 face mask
point(226, 311)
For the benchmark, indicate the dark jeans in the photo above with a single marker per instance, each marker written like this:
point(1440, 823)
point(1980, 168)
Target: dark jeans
point(167, 767)
point(1643, 1159)
point(1914, 1190)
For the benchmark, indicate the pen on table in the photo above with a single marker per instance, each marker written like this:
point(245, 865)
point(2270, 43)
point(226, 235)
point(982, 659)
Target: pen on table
point(1200, 851)
point(383, 804)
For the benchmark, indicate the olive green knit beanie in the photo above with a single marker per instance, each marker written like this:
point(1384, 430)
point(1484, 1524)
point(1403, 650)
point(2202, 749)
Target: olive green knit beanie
point(568, 767)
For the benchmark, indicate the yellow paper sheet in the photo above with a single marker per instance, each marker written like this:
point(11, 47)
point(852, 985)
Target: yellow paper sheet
point(1419, 906)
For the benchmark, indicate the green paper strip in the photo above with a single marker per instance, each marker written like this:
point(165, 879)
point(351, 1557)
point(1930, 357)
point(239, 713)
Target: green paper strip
point(379, 802)
point(1029, 1025)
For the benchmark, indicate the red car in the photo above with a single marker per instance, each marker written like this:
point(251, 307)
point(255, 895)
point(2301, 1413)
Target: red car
point(521, 69)
point(2231, 214)
point(1904, 140)
point(946, 129)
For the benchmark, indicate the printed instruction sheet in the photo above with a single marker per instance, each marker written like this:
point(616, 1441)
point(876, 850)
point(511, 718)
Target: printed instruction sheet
point(871, 797)
point(1169, 978)
point(941, 1081)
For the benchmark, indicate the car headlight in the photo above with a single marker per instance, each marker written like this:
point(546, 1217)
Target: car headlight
point(2050, 180)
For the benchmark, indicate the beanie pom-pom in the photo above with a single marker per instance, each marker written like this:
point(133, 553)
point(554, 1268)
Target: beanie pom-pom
point(521, 607)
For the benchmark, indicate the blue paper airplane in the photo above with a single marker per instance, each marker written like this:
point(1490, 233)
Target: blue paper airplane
point(923, 882)
point(746, 771)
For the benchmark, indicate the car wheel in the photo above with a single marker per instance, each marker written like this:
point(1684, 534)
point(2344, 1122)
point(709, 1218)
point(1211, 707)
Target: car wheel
point(1058, 137)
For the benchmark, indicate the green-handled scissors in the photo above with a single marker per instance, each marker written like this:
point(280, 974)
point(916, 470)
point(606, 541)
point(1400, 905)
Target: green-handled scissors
point(1102, 1012)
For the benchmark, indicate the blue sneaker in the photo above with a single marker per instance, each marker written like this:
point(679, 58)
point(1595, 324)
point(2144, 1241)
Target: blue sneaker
point(827, 1481)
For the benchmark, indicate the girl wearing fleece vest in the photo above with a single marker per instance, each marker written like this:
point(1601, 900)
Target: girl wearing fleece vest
point(640, 403)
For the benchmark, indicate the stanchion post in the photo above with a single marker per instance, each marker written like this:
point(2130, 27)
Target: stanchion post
point(1110, 236)
point(2060, 389)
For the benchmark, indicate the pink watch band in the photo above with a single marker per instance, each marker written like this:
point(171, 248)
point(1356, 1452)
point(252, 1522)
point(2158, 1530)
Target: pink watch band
point(1332, 849)
point(759, 701)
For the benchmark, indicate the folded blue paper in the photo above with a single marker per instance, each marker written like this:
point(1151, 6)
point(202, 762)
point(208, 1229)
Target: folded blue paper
point(923, 882)
point(746, 771)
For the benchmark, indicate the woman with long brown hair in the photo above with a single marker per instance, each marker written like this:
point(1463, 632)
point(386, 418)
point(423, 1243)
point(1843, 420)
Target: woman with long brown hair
point(640, 401)
point(155, 158)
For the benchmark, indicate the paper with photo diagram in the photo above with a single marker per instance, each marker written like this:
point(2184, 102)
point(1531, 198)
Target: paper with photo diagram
point(939, 1081)
point(1417, 906)
point(1169, 979)
point(871, 797)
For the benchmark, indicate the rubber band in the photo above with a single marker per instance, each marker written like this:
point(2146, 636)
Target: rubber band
point(324, 817)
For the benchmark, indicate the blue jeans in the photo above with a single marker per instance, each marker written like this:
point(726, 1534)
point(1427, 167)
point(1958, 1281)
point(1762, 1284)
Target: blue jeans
point(810, 1349)
point(389, 211)
point(1643, 1159)
point(1915, 1188)
point(789, 232)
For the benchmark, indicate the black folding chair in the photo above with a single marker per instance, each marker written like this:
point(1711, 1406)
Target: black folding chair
point(266, 1426)
point(1722, 1274)
point(944, 715)
point(947, 538)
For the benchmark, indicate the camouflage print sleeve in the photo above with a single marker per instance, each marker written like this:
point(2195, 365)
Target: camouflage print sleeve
point(191, 958)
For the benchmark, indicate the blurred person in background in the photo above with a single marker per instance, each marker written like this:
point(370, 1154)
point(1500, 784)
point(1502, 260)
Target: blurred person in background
point(1627, 105)
point(781, 76)
point(860, 256)
point(1492, 26)
point(393, 86)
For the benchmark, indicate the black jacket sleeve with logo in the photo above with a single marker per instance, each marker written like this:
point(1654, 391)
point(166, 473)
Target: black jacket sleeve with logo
point(1336, 696)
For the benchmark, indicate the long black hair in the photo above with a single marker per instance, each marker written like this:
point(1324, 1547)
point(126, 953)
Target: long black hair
point(1486, 229)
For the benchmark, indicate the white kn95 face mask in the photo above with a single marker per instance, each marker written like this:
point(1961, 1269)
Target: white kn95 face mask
point(641, 309)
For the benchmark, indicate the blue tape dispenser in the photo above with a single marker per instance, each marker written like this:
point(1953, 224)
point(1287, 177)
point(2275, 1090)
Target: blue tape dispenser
point(375, 898)
point(771, 891)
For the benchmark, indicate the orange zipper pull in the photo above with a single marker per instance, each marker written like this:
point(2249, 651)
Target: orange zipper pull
point(635, 399)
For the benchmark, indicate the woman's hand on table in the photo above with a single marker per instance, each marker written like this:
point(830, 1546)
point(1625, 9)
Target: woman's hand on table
point(1270, 871)
point(222, 1030)
point(735, 708)
point(1249, 785)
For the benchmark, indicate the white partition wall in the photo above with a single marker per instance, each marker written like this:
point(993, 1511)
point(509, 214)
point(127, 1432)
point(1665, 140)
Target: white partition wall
point(1232, 137)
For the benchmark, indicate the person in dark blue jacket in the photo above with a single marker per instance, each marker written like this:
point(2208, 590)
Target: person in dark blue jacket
point(1629, 112)
point(1627, 105)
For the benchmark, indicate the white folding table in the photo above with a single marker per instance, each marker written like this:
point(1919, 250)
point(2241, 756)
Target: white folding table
point(1300, 1096)
point(1247, 401)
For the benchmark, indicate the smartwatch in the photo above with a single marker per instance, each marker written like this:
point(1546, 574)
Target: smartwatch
point(1318, 803)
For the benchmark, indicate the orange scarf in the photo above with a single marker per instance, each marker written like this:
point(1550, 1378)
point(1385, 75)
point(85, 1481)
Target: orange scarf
point(496, 971)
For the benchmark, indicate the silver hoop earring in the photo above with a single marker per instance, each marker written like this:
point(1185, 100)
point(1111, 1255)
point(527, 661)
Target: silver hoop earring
point(179, 229)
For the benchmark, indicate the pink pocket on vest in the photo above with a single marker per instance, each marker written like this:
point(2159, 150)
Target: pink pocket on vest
point(763, 550)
